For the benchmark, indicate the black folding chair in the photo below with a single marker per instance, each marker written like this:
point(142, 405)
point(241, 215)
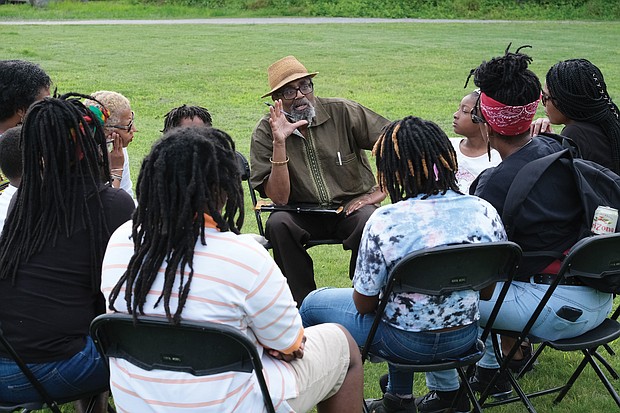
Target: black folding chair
point(445, 269)
point(47, 401)
point(593, 257)
point(200, 348)
point(244, 167)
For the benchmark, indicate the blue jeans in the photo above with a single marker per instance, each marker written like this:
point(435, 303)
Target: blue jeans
point(83, 373)
point(522, 299)
point(335, 305)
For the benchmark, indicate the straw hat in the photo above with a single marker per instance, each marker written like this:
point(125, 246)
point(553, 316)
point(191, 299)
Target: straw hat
point(284, 71)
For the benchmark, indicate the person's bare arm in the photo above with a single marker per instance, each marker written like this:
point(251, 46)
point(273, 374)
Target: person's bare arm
point(365, 304)
point(278, 185)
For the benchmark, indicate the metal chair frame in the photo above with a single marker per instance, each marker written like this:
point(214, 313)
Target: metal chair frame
point(47, 400)
point(442, 270)
point(200, 348)
point(593, 257)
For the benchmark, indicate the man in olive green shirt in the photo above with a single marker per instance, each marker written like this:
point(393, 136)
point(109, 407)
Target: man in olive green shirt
point(311, 150)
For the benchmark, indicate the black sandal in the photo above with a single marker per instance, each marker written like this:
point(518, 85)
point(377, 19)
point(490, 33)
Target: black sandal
point(527, 350)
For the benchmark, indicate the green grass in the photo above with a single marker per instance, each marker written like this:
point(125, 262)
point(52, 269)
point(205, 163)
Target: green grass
point(396, 69)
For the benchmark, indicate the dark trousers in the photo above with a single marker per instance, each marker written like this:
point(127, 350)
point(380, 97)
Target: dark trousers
point(289, 232)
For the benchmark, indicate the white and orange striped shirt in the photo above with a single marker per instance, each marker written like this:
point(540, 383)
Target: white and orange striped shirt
point(236, 282)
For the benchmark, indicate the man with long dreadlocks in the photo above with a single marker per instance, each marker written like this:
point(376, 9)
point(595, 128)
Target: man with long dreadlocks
point(575, 94)
point(311, 150)
point(51, 251)
point(416, 166)
point(182, 257)
point(509, 96)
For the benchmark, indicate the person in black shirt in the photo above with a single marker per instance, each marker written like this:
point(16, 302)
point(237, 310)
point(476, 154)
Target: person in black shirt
point(51, 251)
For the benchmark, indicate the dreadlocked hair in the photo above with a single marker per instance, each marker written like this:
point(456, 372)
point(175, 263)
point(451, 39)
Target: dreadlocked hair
point(580, 93)
point(190, 172)
point(63, 172)
point(175, 116)
point(414, 156)
point(507, 78)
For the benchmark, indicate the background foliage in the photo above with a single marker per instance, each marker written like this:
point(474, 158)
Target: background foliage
point(423, 9)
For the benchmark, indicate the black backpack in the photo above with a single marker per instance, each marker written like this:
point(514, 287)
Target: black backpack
point(596, 186)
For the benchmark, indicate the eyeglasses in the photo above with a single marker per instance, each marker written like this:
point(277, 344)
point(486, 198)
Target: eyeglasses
point(475, 118)
point(545, 98)
point(291, 92)
point(126, 128)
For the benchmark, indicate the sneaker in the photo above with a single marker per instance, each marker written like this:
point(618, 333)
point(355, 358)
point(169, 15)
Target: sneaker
point(391, 404)
point(442, 401)
point(479, 382)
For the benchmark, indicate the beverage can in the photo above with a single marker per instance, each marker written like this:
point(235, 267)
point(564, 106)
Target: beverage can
point(605, 220)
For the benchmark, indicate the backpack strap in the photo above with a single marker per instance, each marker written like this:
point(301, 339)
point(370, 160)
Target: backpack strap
point(565, 141)
point(523, 183)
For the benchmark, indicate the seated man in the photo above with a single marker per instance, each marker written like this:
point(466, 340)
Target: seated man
point(201, 269)
point(317, 159)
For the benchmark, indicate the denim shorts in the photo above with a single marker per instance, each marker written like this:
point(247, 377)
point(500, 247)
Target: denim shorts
point(83, 373)
point(335, 305)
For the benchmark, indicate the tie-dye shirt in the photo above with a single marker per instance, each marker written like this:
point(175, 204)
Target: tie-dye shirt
point(395, 230)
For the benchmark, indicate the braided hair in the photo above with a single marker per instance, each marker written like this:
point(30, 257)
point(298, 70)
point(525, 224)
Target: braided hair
point(579, 92)
point(20, 84)
point(63, 171)
point(175, 116)
point(190, 172)
point(414, 156)
point(507, 78)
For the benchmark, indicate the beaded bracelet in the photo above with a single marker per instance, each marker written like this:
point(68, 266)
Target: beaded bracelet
point(278, 163)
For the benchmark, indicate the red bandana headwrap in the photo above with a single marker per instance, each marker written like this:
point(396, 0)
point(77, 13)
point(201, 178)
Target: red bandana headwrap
point(507, 120)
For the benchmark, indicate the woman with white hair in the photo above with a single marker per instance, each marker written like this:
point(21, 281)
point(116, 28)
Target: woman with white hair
point(119, 125)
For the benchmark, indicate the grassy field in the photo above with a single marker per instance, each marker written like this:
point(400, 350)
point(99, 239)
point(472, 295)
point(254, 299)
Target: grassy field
point(397, 69)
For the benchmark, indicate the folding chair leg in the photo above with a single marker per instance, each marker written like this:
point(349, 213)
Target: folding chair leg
point(609, 350)
point(517, 388)
point(573, 378)
point(470, 394)
point(588, 360)
point(605, 363)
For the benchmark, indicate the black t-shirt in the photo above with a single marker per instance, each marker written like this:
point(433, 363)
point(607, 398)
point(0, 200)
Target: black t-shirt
point(551, 213)
point(593, 143)
point(47, 313)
